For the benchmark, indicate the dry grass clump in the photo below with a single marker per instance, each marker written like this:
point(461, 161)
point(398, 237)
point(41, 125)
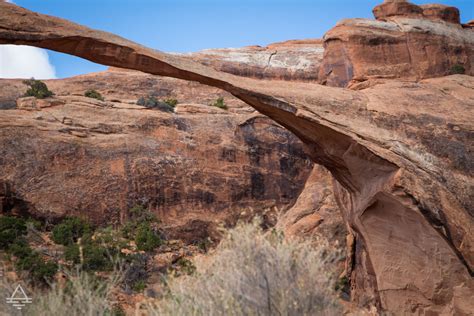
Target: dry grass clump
point(83, 294)
point(256, 273)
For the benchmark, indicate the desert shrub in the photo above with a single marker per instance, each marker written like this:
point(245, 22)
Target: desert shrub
point(138, 215)
point(139, 286)
point(146, 238)
point(97, 257)
point(94, 94)
point(69, 231)
point(219, 103)
point(253, 273)
point(153, 103)
point(83, 295)
point(37, 89)
point(20, 248)
point(186, 266)
point(72, 253)
point(11, 229)
point(171, 102)
point(458, 69)
point(39, 271)
point(135, 271)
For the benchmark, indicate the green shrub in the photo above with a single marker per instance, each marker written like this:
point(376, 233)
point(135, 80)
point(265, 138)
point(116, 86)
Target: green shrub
point(72, 253)
point(146, 238)
point(69, 231)
point(139, 286)
point(171, 102)
point(96, 258)
point(37, 89)
point(20, 248)
point(39, 270)
point(186, 266)
point(153, 103)
point(219, 103)
point(458, 69)
point(11, 228)
point(94, 94)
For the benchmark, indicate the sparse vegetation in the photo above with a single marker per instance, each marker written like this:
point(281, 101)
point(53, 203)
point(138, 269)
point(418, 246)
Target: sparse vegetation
point(37, 89)
point(94, 94)
point(171, 102)
point(146, 238)
point(219, 103)
point(458, 69)
point(253, 273)
point(97, 257)
point(136, 272)
point(84, 294)
point(72, 253)
point(12, 229)
point(142, 228)
point(152, 102)
point(69, 231)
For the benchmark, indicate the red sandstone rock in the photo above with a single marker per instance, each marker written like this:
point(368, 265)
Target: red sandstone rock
point(85, 157)
point(400, 152)
point(441, 12)
point(361, 49)
point(392, 8)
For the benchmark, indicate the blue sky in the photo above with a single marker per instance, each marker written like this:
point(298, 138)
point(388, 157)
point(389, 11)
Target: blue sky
point(191, 25)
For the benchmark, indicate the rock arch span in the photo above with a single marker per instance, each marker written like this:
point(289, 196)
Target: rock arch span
point(409, 210)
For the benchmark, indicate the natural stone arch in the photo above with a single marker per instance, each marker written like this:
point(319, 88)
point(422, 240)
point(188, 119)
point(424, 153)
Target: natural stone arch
point(379, 187)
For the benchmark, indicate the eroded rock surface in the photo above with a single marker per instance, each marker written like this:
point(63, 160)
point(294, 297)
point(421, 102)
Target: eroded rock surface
point(73, 155)
point(406, 41)
point(296, 60)
point(401, 152)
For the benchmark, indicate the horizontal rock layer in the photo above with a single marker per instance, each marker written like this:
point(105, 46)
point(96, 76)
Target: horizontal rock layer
point(72, 155)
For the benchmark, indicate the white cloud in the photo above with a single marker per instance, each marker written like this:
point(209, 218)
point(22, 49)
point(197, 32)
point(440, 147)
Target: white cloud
point(18, 61)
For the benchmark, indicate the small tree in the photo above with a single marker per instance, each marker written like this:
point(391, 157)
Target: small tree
point(220, 103)
point(94, 94)
point(146, 238)
point(69, 231)
point(11, 230)
point(37, 89)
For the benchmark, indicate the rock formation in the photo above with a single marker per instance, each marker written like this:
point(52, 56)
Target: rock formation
point(296, 60)
point(406, 41)
point(400, 151)
point(82, 156)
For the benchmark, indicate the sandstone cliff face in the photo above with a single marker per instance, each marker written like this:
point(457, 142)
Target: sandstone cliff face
point(73, 155)
point(406, 41)
point(400, 153)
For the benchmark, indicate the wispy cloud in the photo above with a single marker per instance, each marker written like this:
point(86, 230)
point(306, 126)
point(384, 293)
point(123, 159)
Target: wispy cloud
point(17, 61)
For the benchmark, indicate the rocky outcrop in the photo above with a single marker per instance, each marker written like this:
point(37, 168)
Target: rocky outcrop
point(400, 153)
point(85, 157)
point(296, 60)
point(406, 41)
